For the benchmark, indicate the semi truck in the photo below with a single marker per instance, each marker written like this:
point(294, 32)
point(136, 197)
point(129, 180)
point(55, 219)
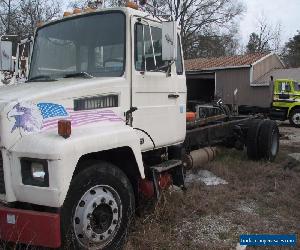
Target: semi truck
point(286, 101)
point(102, 121)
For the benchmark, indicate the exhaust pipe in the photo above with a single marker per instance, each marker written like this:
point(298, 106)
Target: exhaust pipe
point(199, 157)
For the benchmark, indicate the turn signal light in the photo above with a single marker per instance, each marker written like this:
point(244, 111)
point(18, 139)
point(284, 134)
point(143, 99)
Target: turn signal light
point(64, 128)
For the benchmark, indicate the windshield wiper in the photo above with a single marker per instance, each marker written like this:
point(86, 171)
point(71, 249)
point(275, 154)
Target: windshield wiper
point(44, 78)
point(78, 74)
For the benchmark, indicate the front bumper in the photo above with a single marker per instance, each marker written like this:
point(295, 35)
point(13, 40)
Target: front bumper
point(30, 227)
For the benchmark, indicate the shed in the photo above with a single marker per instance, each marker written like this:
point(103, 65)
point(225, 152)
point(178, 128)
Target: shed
point(221, 76)
point(292, 74)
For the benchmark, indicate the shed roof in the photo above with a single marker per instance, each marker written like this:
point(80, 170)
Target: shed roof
point(223, 62)
point(292, 74)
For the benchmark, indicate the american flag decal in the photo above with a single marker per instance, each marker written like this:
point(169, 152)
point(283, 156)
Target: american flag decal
point(49, 110)
point(52, 113)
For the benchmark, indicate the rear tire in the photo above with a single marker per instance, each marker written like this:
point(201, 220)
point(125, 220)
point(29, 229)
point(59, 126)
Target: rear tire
point(252, 139)
point(268, 141)
point(98, 209)
point(295, 118)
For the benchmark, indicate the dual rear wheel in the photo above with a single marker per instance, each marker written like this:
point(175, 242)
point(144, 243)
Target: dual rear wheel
point(262, 140)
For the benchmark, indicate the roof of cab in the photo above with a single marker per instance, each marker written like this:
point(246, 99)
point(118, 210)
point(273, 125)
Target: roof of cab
point(126, 10)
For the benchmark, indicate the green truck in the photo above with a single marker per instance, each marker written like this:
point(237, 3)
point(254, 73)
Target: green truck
point(286, 101)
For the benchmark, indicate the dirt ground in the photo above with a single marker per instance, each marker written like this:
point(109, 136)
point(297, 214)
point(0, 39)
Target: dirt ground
point(259, 198)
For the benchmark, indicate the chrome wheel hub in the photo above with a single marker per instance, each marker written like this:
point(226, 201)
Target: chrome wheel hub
point(97, 217)
point(296, 118)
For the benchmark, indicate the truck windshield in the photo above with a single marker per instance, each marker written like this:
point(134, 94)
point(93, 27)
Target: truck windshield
point(93, 44)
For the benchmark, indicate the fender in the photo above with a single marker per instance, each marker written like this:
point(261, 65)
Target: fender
point(293, 106)
point(63, 155)
point(288, 104)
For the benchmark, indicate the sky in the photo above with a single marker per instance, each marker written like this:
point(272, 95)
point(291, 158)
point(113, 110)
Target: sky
point(287, 12)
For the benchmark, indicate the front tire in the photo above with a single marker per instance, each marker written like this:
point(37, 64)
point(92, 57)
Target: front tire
point(98, 209)
point(295, 118)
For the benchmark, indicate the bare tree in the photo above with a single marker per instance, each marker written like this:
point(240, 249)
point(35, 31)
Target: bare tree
point(21, 17)
point(34, 11)
point(199, 17)
point(78, 3)
point(93, 3)
point(215, 43)
point(291, 51)
point(267, 37)
point(8, 13)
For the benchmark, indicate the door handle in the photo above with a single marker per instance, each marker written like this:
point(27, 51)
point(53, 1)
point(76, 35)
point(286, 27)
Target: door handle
point(173, 96)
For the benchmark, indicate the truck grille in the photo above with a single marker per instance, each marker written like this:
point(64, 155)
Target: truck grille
point(2, 184)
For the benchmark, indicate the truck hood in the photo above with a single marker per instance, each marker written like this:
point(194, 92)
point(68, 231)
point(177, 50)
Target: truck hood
point(29, 90)
point(21, 112)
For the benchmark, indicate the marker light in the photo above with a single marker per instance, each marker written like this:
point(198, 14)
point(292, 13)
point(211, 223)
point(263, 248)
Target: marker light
point(39, 24)
point(132, 5)
point(64, 128)
point(88, 9)
point(67, 13)
point(190, 116)
point(77, 11)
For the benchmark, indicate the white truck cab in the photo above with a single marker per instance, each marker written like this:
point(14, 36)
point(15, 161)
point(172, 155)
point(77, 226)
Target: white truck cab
point(99, 94)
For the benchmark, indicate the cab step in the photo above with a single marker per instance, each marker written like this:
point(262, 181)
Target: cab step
point(160, 172)
point(167, 165)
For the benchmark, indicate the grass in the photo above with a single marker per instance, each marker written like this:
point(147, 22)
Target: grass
point(260, 197)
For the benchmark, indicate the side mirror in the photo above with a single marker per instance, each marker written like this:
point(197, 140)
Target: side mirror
point(169, 41)
point(6, 61)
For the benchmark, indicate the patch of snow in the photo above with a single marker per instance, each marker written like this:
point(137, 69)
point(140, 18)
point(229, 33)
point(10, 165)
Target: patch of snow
point(295, 156)
point(239, 247)
point(205, 176)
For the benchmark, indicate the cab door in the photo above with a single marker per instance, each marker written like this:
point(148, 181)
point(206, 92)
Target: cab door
point(158, 96)
point(283, 90)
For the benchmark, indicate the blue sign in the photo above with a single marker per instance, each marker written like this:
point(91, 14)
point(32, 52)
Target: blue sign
point(268, 240)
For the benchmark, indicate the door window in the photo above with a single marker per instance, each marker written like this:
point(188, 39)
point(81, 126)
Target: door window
point(179, 66)
point(148, 48)
point(284, 87)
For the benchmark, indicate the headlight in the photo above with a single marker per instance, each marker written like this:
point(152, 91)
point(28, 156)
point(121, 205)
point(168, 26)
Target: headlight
point(35, 172)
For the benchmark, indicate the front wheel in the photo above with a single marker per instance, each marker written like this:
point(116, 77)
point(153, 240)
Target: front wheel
point(98, 209)
point(295, 118)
